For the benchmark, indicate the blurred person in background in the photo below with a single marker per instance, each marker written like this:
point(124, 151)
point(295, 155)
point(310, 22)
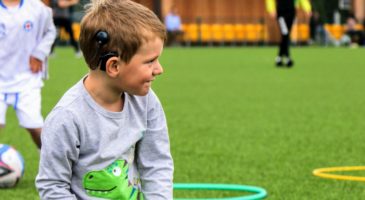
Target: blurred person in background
point(173, 26)
point(27, 33)
point(62, 17)
point(353, 36)
point(285, 11)
point(317, 32)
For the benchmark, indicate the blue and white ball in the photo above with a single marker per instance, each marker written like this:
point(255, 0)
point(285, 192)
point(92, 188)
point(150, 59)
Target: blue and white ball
point(11, 166)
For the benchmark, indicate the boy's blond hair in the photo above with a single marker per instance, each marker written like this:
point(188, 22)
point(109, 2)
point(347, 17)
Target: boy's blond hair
point(127, 23)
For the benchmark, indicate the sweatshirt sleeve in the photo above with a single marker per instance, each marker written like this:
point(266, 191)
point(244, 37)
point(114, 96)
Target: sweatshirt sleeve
point(154, 160)
point(59, 150)
point(270, 6)
point(47, 35)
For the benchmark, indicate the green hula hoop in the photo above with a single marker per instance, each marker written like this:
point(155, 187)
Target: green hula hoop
point(259, 193)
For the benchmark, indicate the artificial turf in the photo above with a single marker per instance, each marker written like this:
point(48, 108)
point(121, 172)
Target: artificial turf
point(234, 118)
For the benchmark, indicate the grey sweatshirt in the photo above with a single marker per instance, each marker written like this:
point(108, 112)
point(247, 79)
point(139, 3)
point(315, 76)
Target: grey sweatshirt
point(87, 149)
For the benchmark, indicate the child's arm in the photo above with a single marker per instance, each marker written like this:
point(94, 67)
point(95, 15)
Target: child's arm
point(47, 35)
point(67, 3)
point(271, 7)
point(154, 159)
point(305, 5)
point(59, 150)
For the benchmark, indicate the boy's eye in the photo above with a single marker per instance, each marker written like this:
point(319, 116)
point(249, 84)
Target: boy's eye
point(151, 61)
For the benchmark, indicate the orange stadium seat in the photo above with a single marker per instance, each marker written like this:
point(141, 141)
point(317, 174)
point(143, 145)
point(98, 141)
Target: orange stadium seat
point(359, 27)
point(190, 32)
point(206, 32)
point(300, 33)
point(239, 30)
point(260, 32)
point(76, 30)
point(64, 36)
point(217, 33)
point(229, 34)
point(335, 30)
point(254, 32)
point(303, 32)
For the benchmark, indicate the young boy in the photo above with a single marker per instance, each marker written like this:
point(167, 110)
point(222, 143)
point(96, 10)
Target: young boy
point(107, 137)
point(26, 36)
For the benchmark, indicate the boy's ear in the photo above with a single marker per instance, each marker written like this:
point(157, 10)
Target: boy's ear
point(112, 67)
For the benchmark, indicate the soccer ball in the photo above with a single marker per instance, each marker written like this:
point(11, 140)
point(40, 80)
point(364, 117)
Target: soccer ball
point(11, 166)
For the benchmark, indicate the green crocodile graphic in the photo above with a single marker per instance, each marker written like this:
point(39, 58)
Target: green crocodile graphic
point(111, 183)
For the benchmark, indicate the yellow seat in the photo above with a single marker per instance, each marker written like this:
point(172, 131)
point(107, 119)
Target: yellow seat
point(254, 32)
point(259, 28)
point(229, 34)
point(240, 30)
point(217, 33)
point(190, 32)
point(328, 28)
point(359, 27)
point(337, 31)
point(76, 30)
point(303, 31)
point(300, 33)
point(206, 32)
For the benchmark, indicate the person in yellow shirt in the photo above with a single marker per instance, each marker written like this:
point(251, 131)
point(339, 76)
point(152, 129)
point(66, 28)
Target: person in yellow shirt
point(284, 11)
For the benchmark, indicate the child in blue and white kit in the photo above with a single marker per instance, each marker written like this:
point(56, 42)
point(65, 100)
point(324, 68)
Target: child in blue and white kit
point(26, 36)
point(107, 137)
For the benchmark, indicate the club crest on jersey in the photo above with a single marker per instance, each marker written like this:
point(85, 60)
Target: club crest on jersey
point(28, 26)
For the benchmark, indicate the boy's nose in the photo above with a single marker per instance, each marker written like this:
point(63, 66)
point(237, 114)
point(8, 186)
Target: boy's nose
point(157, 70)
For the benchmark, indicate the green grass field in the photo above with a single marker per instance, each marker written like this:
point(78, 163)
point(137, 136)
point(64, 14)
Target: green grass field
point(235, 118)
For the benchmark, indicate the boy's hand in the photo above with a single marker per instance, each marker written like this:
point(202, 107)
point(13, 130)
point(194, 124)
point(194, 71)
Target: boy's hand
point(35, 64)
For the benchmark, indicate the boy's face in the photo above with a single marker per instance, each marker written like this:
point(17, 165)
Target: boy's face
point(136, 77)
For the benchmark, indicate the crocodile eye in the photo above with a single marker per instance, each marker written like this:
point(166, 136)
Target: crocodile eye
point(117, 171)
